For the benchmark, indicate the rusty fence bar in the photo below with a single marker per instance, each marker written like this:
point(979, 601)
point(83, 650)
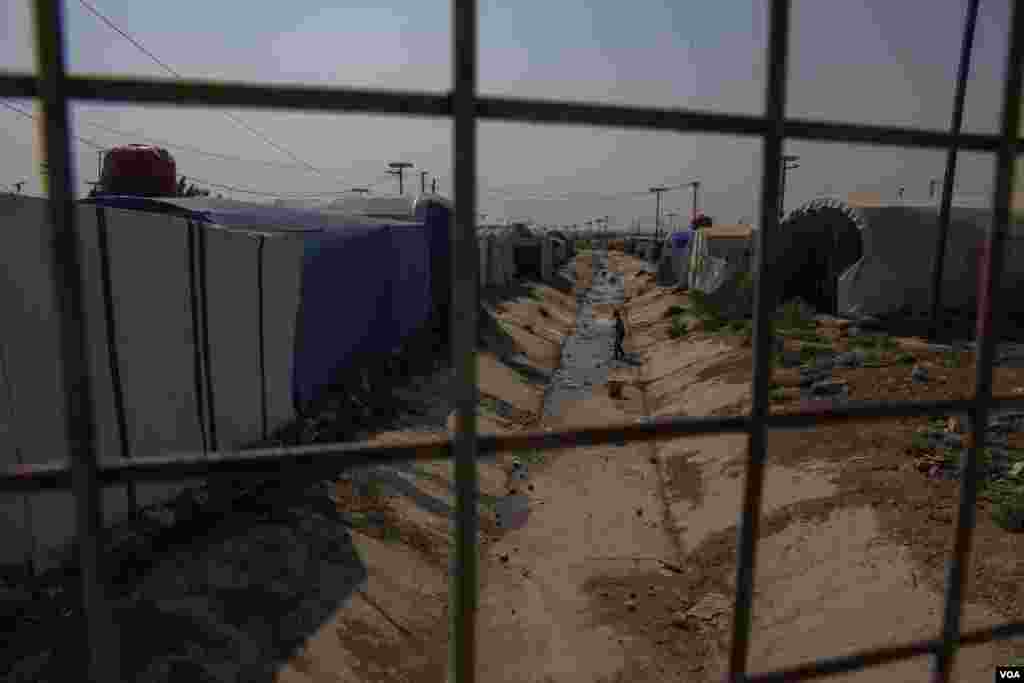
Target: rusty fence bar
point(329, 459)
point(465, 265)
point(201, 93)
point(771, 170)
point(988, 305)
point(939, 259)
point(99, 641)
point(465, 106)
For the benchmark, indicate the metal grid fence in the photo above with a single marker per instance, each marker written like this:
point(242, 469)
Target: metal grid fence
point(55, 88)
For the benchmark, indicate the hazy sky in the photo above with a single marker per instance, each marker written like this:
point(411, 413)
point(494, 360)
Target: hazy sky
point(868, 61)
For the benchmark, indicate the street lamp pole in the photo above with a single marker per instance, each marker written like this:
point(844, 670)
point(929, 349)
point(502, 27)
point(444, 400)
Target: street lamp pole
point(696, 187)
point(398, 169)
point(657, 209)
point(788, 164)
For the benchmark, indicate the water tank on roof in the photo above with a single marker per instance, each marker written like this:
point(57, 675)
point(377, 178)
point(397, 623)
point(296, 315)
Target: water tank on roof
point(142, 170)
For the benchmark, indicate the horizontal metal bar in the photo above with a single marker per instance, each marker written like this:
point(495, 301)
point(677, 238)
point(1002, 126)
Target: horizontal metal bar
point(880, 656)
point(206, 93)
point(329, 459)
point(525, 110)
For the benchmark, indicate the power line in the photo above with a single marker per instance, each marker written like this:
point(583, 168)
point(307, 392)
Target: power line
point(190, 148)
point(242, 190)
point(106, 20)
point(28, 115)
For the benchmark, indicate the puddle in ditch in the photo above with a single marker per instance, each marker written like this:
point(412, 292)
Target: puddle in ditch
point(587, 352)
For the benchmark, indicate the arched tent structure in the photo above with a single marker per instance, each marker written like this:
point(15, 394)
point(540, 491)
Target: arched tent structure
point(814, 246)
point(893, 274)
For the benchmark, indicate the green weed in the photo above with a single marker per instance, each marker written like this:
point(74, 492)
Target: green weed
point(674, 310)
point(793, 317)
point(1008, 504)
point(678, 328)
point(531, 457)
point(906, 359)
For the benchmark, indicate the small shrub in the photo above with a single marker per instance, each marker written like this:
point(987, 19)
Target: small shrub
point(777, 394)
point(952, 359)
point(702, 306)
point(391, 533)
point(802, 335)
point(740, 326)
point(873, 359)
point(373, 489)
point(678, 328)
point(713, 324)
point(920, 442)
point(906, 359)
point(531, 457)
point(1008, 508)
point(674, 310)
point(794, 317)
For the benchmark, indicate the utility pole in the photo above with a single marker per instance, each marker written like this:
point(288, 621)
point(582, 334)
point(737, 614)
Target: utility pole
point(398, 169)
point(695, 185)
point(657, 209)
point(672, 225)
point(433, 186)
point(788, 164)
point(423, 182)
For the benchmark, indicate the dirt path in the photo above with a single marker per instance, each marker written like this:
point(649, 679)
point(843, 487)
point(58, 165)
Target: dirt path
point(593, 510)
point(836, 571)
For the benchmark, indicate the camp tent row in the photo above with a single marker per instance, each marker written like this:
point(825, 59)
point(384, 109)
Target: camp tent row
point(210, 324)
point(855, 256)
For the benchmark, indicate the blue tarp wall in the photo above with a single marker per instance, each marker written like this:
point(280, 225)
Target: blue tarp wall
point(366, 285)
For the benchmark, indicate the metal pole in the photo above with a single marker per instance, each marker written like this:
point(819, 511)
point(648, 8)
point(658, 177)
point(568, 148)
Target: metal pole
point(939, 258)
point(988, 296)
point(764, 298)
point(79, 420)
point(423, 182)
point(465, 281)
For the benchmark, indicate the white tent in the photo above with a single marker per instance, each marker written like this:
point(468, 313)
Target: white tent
point(895, 270)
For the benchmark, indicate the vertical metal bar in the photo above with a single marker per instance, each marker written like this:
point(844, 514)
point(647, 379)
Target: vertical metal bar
point(262, 334)
point(939, 259)
point(113, 350)
point(464, 590)
point(80, 426)
point(764, 300)
point(197, 353)
point(989, 285)
point(19, 456)
point(203, 270)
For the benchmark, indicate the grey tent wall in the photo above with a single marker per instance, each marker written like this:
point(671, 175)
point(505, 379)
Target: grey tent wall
point(153, 360)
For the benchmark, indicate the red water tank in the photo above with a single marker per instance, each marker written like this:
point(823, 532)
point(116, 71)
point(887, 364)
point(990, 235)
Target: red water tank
point(142, 170)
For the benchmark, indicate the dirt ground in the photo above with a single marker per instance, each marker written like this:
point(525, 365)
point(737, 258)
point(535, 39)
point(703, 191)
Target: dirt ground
point(625, 568)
